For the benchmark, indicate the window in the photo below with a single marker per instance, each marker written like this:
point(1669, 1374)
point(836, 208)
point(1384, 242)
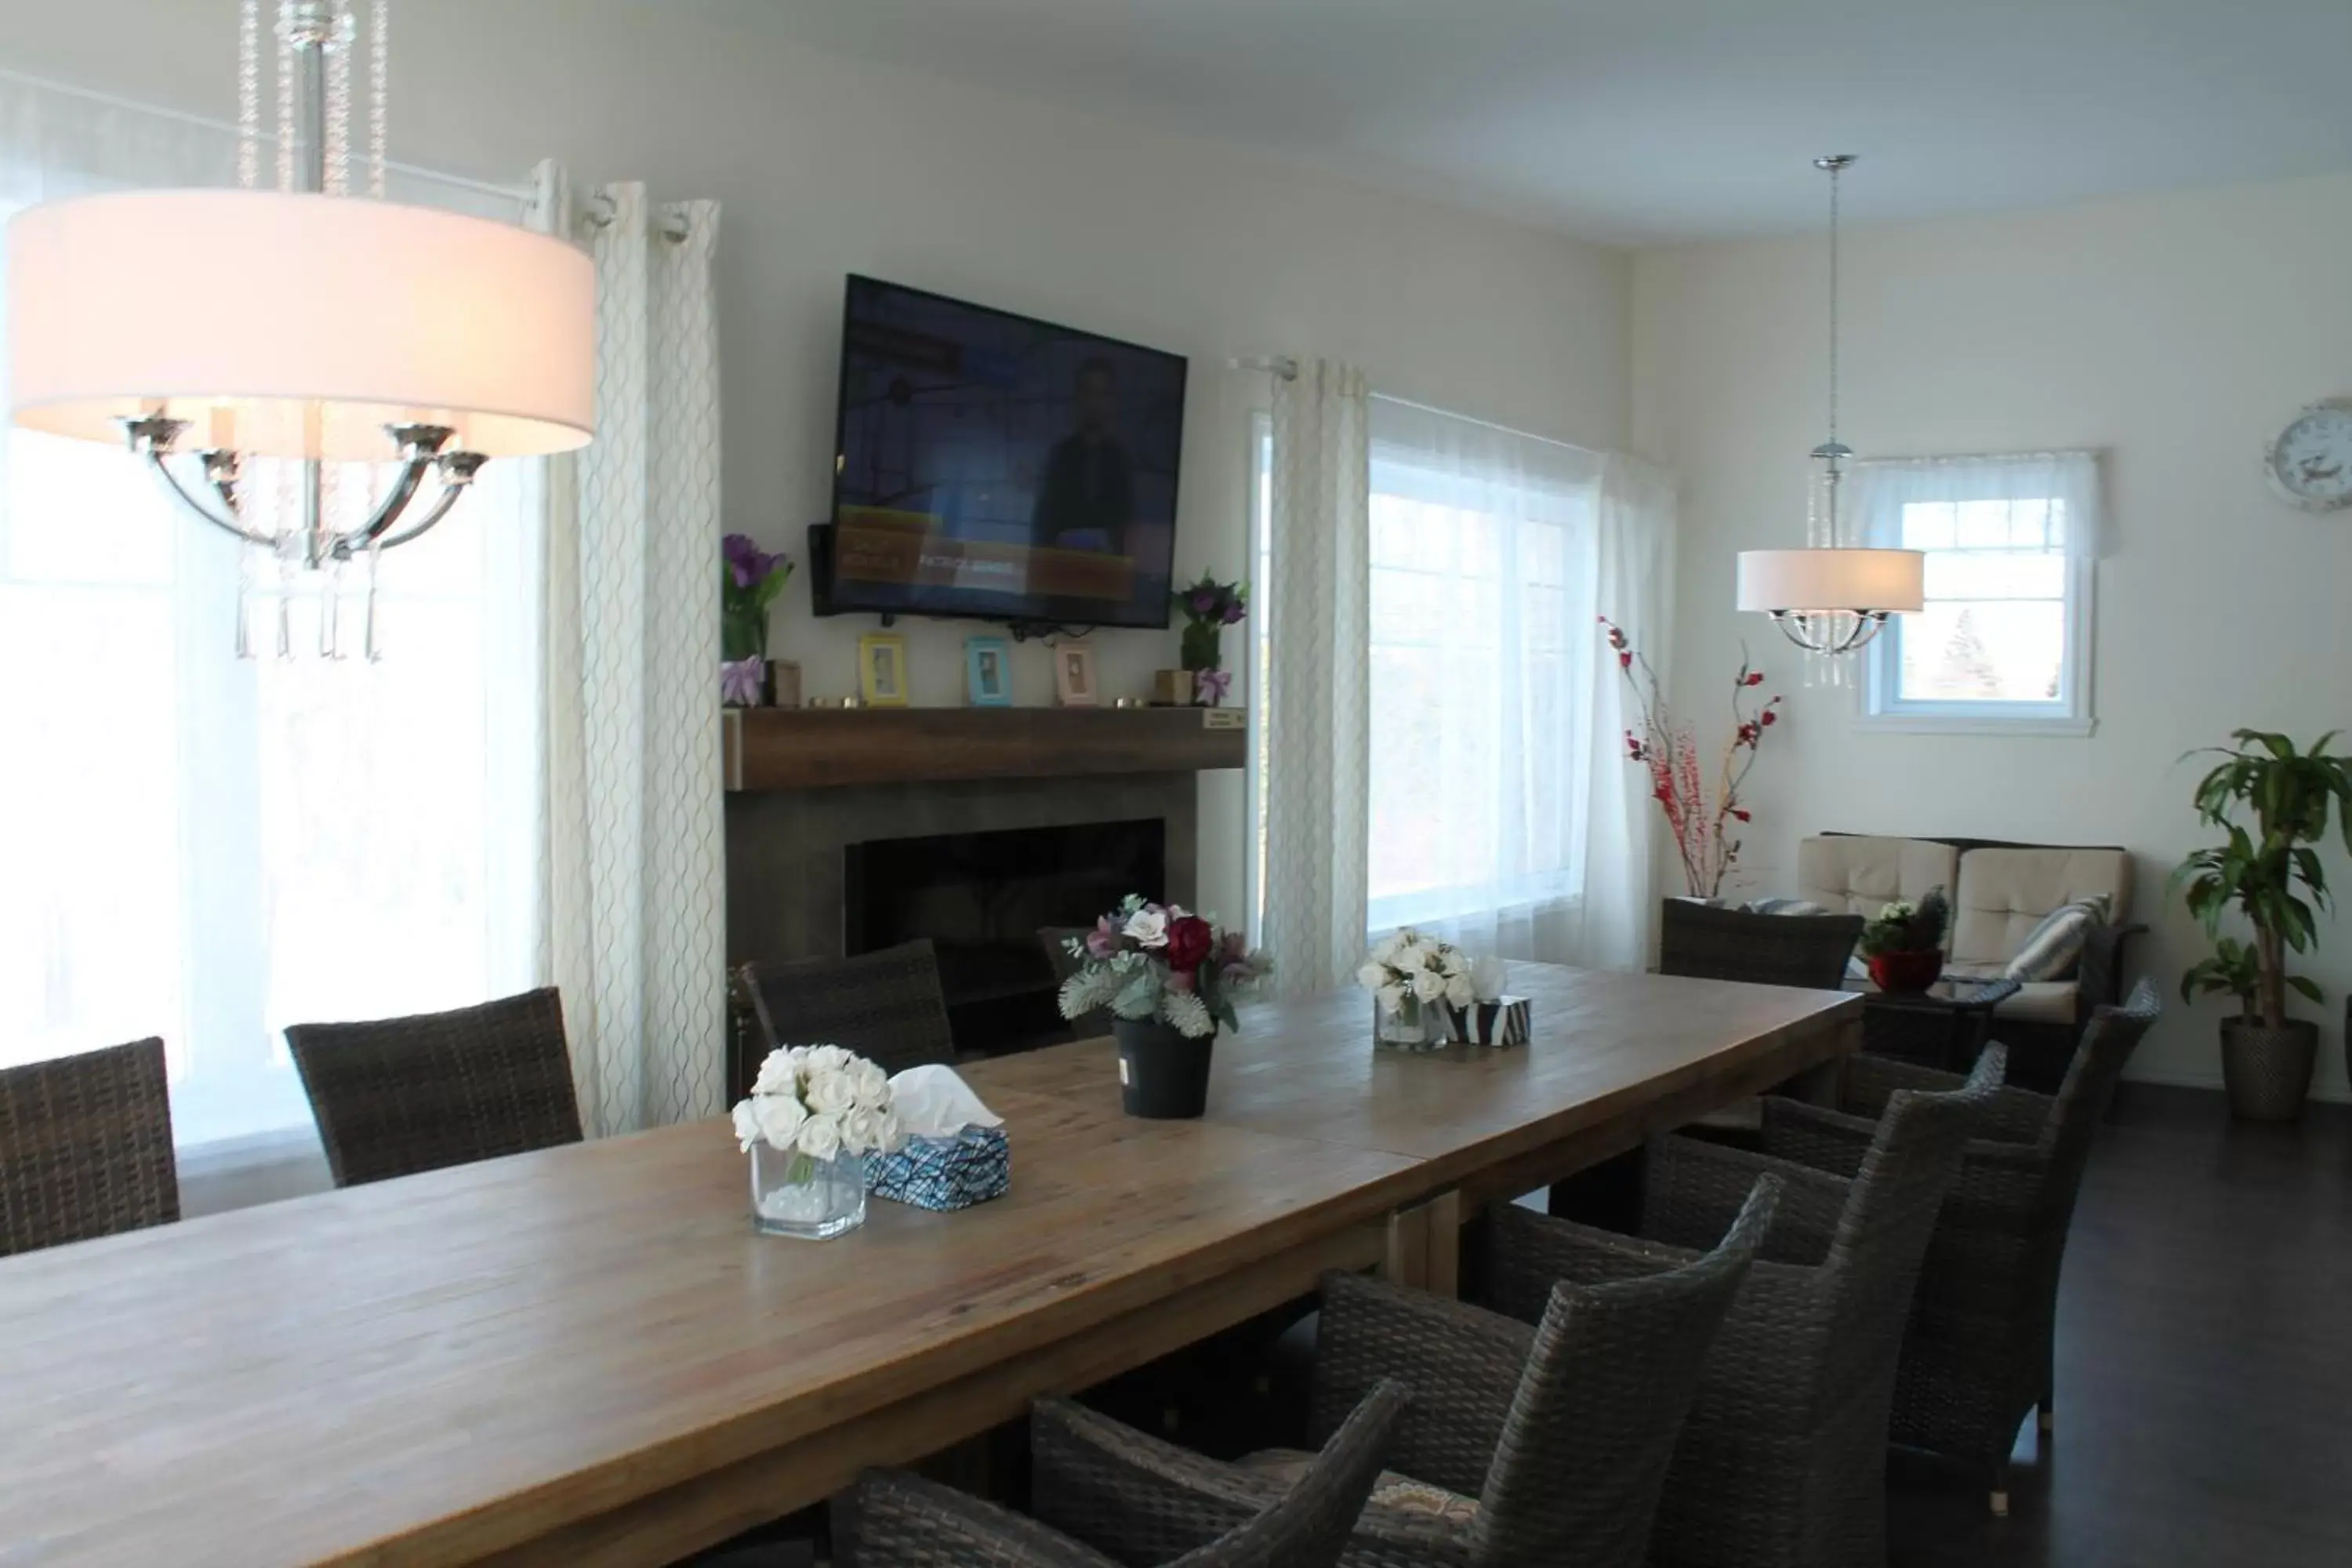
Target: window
point(2004, 643)
point(1483, 605)
point(208, 849)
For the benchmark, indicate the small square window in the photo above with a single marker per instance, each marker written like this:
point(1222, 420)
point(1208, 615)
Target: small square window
point(2003, 643)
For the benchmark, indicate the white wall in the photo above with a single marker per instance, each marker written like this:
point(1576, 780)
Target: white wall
point(2178, 333)
point(828, 165)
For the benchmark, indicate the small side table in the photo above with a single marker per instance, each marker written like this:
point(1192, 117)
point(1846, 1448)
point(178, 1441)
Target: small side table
point(1944, 1026)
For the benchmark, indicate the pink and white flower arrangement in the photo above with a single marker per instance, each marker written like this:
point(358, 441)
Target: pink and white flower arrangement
point(819, 1102)
point(1146, 961)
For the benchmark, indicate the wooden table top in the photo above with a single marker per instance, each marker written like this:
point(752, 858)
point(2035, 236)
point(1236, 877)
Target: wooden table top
point(439, 1368)
point(431, 1369)
point(1603, 1045)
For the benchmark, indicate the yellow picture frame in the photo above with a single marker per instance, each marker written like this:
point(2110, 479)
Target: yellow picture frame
point(882, 669)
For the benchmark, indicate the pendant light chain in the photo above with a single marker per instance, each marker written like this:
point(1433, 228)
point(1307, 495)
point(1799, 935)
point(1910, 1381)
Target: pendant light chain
point(1836, 170)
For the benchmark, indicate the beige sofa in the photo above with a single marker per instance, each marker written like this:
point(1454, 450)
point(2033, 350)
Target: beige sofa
point(2000, 892)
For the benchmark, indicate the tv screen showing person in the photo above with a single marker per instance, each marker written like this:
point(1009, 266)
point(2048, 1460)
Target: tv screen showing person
point(993, 465)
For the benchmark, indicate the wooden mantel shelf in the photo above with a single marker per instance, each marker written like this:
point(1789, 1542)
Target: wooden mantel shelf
point(820, 747)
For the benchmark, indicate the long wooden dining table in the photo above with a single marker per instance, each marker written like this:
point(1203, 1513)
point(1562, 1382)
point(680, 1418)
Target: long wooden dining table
point(588, 1356)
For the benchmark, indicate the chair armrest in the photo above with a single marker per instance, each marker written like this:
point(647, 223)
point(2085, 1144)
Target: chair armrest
point(1825, 1139)
point(891, 1520)
point(1462, 1364)
point(1692, 1191)
point(1870, 1081)
point(1129, 1494)
point(2100, 975)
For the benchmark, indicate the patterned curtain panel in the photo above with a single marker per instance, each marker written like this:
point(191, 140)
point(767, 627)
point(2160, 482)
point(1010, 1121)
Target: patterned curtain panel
point(1318, 753)
point(633, 893)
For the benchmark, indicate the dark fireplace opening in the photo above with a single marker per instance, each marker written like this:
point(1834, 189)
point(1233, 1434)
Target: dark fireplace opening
point(981, 899)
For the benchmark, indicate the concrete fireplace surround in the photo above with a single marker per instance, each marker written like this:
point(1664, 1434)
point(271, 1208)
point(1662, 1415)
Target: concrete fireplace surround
point(784, 873)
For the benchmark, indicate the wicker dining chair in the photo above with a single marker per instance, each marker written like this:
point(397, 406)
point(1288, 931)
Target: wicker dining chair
point(897, 1520)
point(1707, 944)
point(1979, 1352)
point(885, 1006)
point(1524, 1447)
point(1055, 939)
point(396, 1096)
point(86, 1147)
point(1782, 1461)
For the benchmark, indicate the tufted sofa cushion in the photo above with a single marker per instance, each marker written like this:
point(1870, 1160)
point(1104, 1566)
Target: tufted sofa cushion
point(2003, 895)
point(1859, 876)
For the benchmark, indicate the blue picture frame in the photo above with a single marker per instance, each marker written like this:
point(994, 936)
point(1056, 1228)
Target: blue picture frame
point(988, 672)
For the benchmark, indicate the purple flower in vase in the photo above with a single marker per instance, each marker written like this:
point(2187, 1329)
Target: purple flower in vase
point(746, 562)
point(1103, 941)
point(743, 682)
point(1235, 611)
point(1203, 604)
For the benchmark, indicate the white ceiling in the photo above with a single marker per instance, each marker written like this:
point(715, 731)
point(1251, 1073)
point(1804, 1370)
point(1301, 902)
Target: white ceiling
point(1641, 122)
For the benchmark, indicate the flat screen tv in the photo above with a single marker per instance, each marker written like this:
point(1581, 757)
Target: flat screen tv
point(998, 467)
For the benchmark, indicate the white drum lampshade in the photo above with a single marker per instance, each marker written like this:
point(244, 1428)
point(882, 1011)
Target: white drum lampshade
point(284, 325)
point(1822, 580)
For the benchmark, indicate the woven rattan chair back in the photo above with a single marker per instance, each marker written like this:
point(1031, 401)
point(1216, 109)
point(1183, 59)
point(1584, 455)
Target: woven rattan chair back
point(1891, 1204)
point(885, 1006)
point(1592, 1431)
point(2107, 1047)
point(397, 1095)
point(1704, 943)
point(1307, 1527)
point(86, 1147)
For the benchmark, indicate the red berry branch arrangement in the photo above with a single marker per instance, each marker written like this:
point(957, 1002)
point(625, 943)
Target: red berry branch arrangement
point(1703, 830)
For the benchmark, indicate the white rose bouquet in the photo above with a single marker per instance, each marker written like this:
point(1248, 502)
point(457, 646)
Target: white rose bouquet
point(819, 1102)
point(1408, 970)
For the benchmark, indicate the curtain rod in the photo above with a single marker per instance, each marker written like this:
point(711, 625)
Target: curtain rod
point(520, 194)
point(602, 210)
point(1284, 368)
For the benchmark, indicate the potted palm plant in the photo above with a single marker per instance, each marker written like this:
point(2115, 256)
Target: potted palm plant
point(2269, 873)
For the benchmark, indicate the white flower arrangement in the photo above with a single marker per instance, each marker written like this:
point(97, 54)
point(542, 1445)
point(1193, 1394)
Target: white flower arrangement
point(820, 1103)
point(1406, 966)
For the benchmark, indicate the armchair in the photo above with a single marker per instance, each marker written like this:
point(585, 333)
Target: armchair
point(1977, 1354)
point(1781, 1463)
point(1082, 1462)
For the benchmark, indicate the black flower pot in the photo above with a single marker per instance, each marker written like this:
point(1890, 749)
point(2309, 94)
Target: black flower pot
point(1162, 1074)
point(2268, 1071)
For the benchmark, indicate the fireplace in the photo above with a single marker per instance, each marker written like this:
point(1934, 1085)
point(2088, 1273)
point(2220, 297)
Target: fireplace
point(981, 897)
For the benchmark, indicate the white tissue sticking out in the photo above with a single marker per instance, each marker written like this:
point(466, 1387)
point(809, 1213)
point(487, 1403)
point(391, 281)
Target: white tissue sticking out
point(933, 1102)
point(1488, 976)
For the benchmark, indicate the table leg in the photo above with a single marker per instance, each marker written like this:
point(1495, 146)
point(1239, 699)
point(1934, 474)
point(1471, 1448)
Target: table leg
point(1425, 1246)
point(1819, 1085)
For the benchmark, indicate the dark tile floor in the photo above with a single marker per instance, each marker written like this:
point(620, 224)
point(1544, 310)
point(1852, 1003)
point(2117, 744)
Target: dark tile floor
point(2204, 1360)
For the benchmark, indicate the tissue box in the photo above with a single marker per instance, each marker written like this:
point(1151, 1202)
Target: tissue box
point(971, 1167)
point(1505, 1021)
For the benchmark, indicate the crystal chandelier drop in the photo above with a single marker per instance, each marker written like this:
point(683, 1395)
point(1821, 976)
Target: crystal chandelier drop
point(1830, 598)
point(332, 370)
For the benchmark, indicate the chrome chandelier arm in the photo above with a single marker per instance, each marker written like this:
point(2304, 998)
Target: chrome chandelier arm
point(457, 470)
point(1818, 631)
point(162, 469)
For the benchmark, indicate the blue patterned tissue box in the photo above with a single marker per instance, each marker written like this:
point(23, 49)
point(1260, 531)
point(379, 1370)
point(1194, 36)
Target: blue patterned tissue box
point(971, 1167)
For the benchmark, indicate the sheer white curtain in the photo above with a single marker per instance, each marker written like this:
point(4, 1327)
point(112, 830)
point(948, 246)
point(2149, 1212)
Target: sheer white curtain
point(206, 848)
point(633, 885)
point(1502, 815)
point(1317, 750)
point(2038, 501)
